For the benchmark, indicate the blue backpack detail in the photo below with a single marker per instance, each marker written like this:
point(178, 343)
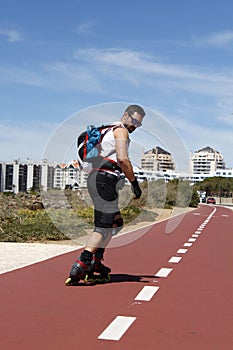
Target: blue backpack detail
point(93, 138)
point(88, 143)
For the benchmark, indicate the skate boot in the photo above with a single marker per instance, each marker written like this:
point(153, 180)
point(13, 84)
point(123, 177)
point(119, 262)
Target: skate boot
point(80, 269)
point(99, 273)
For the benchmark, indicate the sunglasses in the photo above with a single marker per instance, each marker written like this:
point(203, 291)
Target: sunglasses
point(135, 121)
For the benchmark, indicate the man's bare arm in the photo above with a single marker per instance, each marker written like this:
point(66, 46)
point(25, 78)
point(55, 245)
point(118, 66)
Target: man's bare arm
point(121, 136)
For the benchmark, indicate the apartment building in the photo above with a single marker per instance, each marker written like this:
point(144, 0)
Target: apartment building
point(207, 160)
point(157, 159)
point(69, 174)
point(156, 164)
point(20, 176)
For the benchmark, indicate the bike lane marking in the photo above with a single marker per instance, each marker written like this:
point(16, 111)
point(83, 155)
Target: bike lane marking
point(147, 293)
point(175, 259)
point(163, 272)
point(120, 324)
point(182, 251)
point(117, 328)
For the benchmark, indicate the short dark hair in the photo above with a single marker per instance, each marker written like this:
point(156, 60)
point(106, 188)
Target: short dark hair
point(135, 108)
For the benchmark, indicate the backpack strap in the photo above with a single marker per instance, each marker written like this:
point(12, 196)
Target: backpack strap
point(108, 163)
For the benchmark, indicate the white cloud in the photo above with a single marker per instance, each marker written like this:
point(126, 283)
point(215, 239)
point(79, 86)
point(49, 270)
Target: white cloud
point(11, 35)
point(24, 140)
point(95, 70)
point(146, 64)
point(227, 120)
point(197, 136)
point(85, 28)
point(220, 39)
point(22, 76)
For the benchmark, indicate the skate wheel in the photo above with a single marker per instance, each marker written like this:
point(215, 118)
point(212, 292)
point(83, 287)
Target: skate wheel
point(68, 281)
point(107, 279)
point(102, 279)
point(88, 279)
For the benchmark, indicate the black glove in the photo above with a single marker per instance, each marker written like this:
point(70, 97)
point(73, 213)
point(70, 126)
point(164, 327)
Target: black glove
point(136, 189)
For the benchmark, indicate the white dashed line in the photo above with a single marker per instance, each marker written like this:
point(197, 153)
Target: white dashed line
point(121, 324)
point(175, 259)
point(117, 328)
point(163, 272)
point(182, 251)
point(187, 245)
point(147, 293)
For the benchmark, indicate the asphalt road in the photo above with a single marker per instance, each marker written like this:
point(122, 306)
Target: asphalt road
point(171, 289)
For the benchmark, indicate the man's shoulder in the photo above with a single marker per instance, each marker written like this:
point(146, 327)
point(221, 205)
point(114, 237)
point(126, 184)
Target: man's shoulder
point(118, 124)
point(120, 130)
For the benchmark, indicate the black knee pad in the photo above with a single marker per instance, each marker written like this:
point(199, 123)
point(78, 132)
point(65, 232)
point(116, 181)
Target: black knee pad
point(117, 224)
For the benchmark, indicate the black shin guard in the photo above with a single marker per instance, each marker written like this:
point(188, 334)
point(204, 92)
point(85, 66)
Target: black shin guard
point(99, 254)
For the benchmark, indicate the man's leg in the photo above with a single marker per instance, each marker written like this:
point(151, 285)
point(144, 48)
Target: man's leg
point(98, 240)
point(104, 221)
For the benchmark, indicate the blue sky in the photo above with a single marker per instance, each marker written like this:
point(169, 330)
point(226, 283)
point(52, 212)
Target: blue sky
point(61, 57)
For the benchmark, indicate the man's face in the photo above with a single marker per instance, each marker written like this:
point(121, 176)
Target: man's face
point(133, 121)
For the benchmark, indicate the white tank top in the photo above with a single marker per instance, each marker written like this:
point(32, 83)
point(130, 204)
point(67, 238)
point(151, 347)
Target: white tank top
point(108, 144)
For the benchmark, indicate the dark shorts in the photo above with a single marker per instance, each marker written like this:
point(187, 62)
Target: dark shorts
point(102, 188)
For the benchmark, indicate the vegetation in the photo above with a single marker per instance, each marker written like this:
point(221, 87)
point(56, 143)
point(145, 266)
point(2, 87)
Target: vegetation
point(29, 217)
point(216, 186)
point(25, 225)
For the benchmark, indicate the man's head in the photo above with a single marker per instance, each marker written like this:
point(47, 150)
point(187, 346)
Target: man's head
point(133, 117)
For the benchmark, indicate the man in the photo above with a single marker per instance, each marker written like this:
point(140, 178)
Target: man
point(103, 186)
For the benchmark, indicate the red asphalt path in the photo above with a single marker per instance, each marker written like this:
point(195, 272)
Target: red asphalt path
point(192, 308)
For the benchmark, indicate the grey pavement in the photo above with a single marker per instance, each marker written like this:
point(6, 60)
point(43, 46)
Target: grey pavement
point(17, 255)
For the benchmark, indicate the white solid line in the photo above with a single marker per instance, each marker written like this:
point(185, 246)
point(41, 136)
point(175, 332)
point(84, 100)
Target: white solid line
point(175, 259)
point(146, 293)
point(187, 245)
point(192, 239)
point(182, 251)
point(163, 272)
point(117, 328)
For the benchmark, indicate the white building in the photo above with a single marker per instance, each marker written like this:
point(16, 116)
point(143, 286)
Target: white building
point(17, 176)
point(157, 159)
point(206, 160)
point(20, 176)
point(69, 174)
point(224, 172)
